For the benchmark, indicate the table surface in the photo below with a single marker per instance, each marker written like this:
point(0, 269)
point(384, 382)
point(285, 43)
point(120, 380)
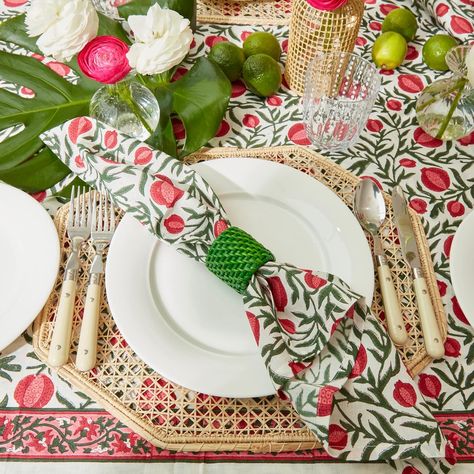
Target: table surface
point(43, 418)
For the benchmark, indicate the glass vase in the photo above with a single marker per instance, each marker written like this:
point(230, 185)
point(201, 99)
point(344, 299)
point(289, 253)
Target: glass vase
point(128, 106)
point(445, 108)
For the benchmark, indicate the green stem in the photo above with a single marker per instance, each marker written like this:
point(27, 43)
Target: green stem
point(123, 92)
point(444, 125)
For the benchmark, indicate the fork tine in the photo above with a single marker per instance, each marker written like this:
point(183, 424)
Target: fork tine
point(83, 208)
point(99, 226)
point(70, 220)
point(77, 208)
point(94, 212)
point(112, 216)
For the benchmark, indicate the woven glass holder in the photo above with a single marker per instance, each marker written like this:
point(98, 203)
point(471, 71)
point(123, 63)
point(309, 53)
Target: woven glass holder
point(313, 31)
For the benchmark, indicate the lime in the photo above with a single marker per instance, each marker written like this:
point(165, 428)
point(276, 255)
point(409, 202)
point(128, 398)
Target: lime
point(229, 57)
point(262, 74)
point(262, 43)
point(402, 21)
point(435, 50)
point(389, 50)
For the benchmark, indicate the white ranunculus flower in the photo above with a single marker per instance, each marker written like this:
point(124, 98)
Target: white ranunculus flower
point(63, 26)
point(470, 65)
point(163, 38)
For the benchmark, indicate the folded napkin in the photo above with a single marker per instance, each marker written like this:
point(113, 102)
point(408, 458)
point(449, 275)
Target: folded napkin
point(324, 350)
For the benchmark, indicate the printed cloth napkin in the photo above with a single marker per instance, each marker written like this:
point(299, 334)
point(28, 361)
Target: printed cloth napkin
point(324, 350)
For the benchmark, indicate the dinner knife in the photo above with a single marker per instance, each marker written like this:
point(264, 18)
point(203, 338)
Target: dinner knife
point(429, 325)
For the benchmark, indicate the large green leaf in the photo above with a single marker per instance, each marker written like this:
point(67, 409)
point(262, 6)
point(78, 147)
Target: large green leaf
point(23, 160)
point(186, 8)
point(199, 99)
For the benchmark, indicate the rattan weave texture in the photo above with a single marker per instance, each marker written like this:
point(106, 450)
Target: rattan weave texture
point(176, 418)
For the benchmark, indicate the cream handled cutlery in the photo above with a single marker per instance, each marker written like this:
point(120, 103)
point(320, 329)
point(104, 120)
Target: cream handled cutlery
point(431, 333)
point(369, 207)
point(103, 227)
point(78, 230)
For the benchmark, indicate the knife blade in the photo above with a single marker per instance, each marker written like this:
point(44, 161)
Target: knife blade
point(406, 234)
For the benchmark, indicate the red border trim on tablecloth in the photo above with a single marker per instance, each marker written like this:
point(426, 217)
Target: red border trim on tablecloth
point(69, 435)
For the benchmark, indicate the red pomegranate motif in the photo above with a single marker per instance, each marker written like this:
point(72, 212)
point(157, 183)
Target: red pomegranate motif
point(411, 470)
point(404, 394)
point(59, 68)
point(254, 326)
point(442, 287)
point(418, 205)
point(435, 179)
point(407, 163)
point(178, 128)
point(278, 293)
point(424, 139)
point(410, 83)
point(287, 325)
point(452, 347)
point(250, 121)
point(34, 391)
point(460, 25)
point(163, 192)
point(314, 281)
point(394, 104)
point(174, 224)
point(297, 367)
point(79, 161)
point(274, 100)
point(220, 226)
point(212, 40)
point(441, 9)
point(374, 125)
point(238, 88)
point(325, 400)
point(77, 127)
point(455, 208)
point(429, 385)
point(297, 134)
point(458, 312)
point(386, 8)
point(360, 363)
point(224, 129)
point(447, 245)
point(337, 437)
point(110, 139)
point(143, 155)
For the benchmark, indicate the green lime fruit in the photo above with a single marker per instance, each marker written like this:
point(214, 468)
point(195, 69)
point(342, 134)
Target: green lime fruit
point(402, 21)
point(389, 50)
point(229, 57)
point(261, 42)
point(435, 50)
point(262, 74)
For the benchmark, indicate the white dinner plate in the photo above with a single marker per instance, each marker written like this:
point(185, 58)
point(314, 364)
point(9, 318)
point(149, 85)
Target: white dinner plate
point(191, 327)
point(462, 266)
point(29, 261)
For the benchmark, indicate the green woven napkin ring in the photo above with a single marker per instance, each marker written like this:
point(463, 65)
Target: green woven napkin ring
point(235, 256)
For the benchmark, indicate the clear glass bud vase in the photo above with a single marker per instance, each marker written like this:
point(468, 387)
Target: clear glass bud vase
point(128, 106)
point(445, 108)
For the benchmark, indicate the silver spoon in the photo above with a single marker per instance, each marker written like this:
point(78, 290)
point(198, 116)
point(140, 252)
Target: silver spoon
point(369, 207)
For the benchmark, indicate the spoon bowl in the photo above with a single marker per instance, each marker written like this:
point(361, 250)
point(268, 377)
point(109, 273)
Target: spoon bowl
point(369, 205)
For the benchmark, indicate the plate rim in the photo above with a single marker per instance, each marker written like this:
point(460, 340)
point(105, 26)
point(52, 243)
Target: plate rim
point(287, 168)
point(36, 271)
point(456, 261)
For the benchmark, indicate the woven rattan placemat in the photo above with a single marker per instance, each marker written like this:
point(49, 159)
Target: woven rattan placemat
point(257, 12)
point(176, 418)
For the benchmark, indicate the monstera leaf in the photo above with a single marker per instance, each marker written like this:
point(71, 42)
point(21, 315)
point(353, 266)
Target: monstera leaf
point(24, 161)
point(199, 99)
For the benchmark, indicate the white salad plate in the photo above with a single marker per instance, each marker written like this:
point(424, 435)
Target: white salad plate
point(462, 266)
point(191, 327)
point(29, 261)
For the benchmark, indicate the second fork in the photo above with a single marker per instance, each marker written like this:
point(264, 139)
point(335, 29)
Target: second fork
point(103, 226)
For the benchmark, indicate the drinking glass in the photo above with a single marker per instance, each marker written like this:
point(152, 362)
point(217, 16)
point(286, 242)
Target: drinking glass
point(340, 92)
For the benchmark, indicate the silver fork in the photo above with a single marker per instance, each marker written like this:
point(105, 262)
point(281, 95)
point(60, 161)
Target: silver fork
point(78, 230)
point(103, 227)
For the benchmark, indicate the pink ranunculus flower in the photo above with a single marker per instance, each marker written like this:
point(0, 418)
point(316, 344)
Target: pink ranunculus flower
point(327, 5)
point(104, 59)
